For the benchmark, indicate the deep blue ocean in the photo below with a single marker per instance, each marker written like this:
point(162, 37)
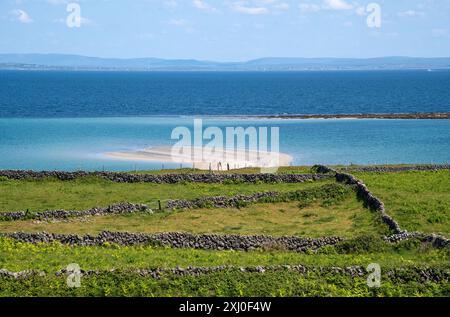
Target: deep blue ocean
point(68, 120)
point(103, 94)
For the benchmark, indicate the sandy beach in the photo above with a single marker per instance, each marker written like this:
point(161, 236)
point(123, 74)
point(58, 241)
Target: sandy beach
point(205, 159)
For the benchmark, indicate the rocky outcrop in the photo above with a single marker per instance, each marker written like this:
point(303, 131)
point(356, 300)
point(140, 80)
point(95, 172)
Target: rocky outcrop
point(121, 208)
point(181, 240)
point(391, 169)
point(167, 178)
point(406, 116)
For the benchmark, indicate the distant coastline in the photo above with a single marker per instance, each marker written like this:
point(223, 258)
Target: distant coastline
point(67, 62)
point(404, 116)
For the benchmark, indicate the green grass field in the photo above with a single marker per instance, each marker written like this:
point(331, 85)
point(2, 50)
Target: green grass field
point(417, 200)
point(230, 284)
point(19, 256)
point(50, 258)
point(346, 219)
point(85, 193)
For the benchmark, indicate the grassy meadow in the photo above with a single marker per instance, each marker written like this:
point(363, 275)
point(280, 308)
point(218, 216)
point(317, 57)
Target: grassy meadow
point(347, 219)
point(417, 200)
point(231, 283)
point(88, 192)
point(116, 276)
point(19, 256)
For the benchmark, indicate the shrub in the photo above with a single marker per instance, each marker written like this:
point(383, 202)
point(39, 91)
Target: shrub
point(363, 244)
point(410, 244)
point(241, 204)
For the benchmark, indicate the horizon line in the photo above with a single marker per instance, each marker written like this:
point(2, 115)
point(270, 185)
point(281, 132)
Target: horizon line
point(230, 61)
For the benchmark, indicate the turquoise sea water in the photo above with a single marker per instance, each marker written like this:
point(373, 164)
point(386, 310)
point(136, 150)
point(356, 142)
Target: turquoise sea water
point(68, 120)
point(71, 144)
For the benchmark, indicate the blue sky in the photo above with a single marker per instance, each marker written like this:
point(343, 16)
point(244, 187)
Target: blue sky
point(226, 30)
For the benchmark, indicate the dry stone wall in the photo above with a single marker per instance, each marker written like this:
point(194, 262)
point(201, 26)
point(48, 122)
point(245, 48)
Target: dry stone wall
point(181, 240)
point(419, 274)
point(390, 169)
point(376, 204)
point(121, 208)
point(167, 178)
point(218, 242)
point(220, 201)
point(370, 200)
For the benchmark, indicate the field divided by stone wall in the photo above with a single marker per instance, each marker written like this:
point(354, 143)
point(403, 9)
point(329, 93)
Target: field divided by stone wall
point(322, 227)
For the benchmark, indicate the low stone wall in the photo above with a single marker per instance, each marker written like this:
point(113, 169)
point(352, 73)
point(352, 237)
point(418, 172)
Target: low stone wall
point(168, 178)
point(323, 169)
point(369, 199)
point(21, 274)
point(181, 240)
point(219, 201)
point(390, 169)
point(121, 208)
point(420, 274)
point(376, 204)
point(304, 195)
point(436, 241)
point(217, 242)
point(353, 271)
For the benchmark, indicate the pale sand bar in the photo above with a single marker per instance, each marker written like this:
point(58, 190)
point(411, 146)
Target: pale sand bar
point(218, 159)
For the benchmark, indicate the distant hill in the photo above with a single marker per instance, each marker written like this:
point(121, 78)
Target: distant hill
point(77, 62)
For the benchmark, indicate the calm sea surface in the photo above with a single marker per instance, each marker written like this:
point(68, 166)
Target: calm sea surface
point(68, 120)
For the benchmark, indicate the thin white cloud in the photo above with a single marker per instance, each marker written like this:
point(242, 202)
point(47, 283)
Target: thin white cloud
point(21, 16)
point(338, 5)
point(327, 5)
point(309, 7)
point(86, 21)
point(410, 13)
point(172, 4)
point(260, 7)
point(202, 5)
point(252, 10)
point(57, 2)
point(83, 21)
point(282, 6)
point(361, 11)
point(182, 24)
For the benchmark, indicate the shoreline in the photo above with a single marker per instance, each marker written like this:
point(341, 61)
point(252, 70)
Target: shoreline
point(200, 158)
point(402, 116)
point(386, 116)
